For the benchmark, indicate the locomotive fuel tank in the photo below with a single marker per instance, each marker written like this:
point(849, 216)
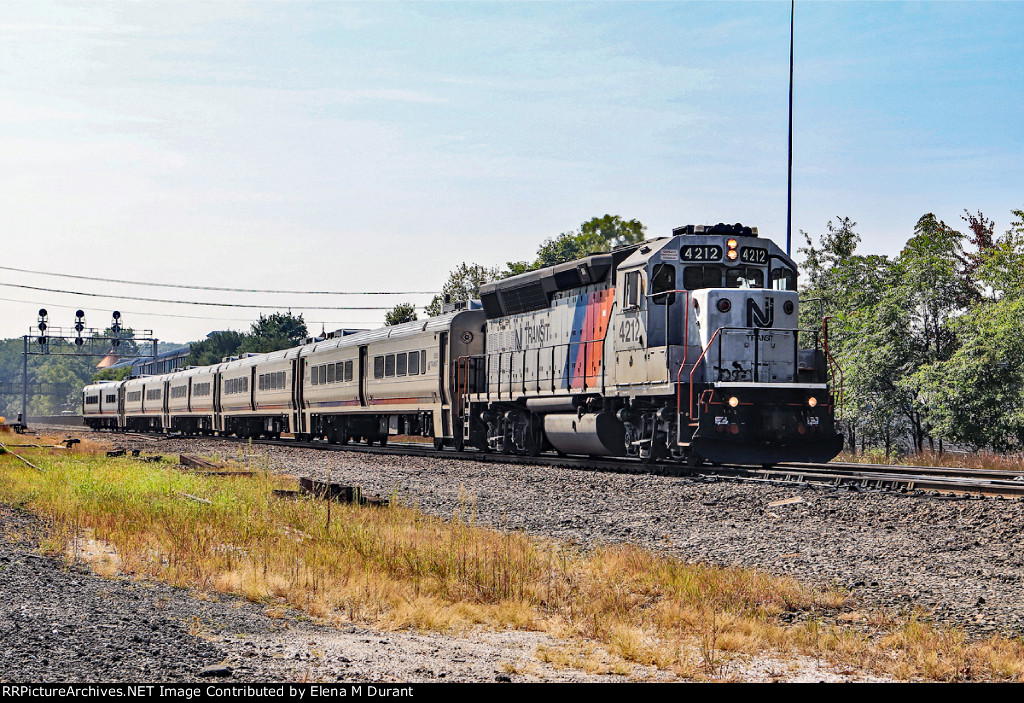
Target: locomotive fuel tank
point(596, 434)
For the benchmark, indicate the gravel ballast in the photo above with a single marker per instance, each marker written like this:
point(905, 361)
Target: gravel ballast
point(958, 560)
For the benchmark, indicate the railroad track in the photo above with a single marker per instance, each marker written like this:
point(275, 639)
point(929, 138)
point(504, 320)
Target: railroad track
point(908, 480)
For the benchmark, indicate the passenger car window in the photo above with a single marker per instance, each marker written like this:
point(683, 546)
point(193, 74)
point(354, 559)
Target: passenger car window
point(414, 363)
point(348, 370)
point(401, 364)
point(330, 373)
point(378, 367)
point(389, 365)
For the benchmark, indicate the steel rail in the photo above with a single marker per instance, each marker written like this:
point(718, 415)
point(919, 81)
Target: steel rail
point(874, 477)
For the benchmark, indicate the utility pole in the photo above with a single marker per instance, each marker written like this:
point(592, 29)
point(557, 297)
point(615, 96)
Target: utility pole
point(789, 189)
point(24, 382)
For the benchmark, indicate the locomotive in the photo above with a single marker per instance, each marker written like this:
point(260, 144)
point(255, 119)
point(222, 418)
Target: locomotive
point(681, 348)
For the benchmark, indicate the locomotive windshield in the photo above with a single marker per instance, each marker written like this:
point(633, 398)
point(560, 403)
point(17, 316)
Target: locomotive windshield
point(697, 277)
point(712, 276)
point(744, 277)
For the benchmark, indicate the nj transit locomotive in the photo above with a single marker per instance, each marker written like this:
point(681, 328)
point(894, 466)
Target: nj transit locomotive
point(684, 347)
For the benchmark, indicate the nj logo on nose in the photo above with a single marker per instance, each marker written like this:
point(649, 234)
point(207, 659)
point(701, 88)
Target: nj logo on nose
point(756, 317)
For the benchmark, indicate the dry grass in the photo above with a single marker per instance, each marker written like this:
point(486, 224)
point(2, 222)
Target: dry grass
point(614, 606)
point(971, 460)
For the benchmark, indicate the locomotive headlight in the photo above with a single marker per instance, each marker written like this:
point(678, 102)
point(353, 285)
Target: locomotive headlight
point(734, 401)
point(731, 254)
point(732, 244)
point(724, 305)
point(812, 401)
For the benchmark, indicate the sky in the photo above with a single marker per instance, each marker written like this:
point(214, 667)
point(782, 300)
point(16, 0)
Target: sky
point(374, 146)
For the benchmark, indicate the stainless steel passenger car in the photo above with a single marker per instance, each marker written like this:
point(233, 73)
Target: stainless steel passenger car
point(190, 406)
point(100, 405)
point(142, 404)
point(394, 380)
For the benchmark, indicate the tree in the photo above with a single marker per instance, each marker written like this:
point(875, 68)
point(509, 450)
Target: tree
point(981, 237)
point(273, 332)
point(403, 312)
point(976, 397)
point(612, 231)
point(463, 284)
point(112, 374)
point(215, 347)
point(976, 392)
point(830, 267)
point(1001, 269)
point(595, 235)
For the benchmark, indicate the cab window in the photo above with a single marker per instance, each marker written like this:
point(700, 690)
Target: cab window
point(632, 294)
point(697, 277)
point(744, 277)
point(783, 279)
point(663, 278)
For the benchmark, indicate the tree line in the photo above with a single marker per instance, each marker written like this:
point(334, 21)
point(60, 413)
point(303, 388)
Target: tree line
point(930, 342)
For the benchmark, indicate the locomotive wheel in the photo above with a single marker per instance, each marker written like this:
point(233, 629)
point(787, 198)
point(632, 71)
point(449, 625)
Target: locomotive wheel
point(382, 440)
point(658, 452)
point(439, 443)
point(534, 440)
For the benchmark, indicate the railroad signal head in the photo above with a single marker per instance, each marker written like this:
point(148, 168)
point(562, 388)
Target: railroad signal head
point(42, 312)
point(42, 340)
point(79, 341)
point(42, 326)
point(117, 315)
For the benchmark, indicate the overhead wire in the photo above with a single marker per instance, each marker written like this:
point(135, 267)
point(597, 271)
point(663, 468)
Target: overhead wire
point(216, 288)
point(194, 302)
point(194, 317)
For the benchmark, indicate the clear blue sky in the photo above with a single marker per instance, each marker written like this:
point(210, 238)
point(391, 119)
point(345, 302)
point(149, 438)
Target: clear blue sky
point(374, 146)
